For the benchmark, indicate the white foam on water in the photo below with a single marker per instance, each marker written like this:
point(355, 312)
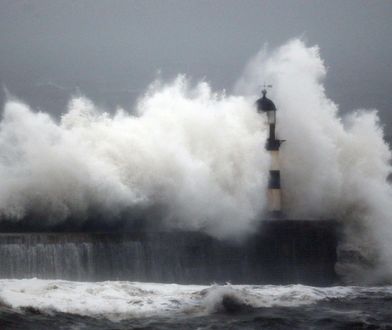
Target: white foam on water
point(124, 300)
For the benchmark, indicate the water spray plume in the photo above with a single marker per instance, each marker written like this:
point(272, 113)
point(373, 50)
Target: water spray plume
point(194, 153)
point(199, 156)
point(333, 166)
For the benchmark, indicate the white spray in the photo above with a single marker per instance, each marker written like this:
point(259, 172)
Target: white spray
point(200, 156)
point(332, 167)
point(197, 155)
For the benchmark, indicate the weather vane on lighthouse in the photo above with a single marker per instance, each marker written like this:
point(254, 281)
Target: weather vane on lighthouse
point(265, 86)
point(265, 105)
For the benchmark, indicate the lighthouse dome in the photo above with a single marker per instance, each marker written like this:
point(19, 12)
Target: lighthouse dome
point(265, 104)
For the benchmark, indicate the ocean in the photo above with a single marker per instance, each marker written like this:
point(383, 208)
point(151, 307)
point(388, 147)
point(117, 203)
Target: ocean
point(57, 304)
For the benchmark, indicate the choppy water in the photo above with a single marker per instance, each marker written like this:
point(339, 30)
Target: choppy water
point(54, 304)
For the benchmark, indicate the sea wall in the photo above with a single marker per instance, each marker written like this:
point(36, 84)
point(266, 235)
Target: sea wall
point(282, 252)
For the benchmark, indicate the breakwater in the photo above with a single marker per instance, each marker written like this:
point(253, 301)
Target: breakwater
point(282, 252)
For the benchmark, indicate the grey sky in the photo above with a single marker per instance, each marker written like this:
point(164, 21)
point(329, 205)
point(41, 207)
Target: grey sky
point(112, 49)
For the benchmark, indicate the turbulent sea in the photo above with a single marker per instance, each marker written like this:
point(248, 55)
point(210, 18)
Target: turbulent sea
point(57, 304)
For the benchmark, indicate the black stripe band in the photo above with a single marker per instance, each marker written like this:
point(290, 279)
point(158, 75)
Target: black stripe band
point(274, 179)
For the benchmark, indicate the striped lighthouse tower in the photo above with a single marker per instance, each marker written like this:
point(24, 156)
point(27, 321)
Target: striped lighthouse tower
point(265, 105)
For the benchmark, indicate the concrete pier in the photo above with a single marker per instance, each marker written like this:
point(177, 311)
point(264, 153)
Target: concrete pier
point(282, 252)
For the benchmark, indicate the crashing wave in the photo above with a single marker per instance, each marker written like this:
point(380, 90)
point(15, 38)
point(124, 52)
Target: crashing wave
point(117, 300)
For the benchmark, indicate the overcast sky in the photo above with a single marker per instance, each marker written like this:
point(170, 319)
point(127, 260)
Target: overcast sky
point(112, 50)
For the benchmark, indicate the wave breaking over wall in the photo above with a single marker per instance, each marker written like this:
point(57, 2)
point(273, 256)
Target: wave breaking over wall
point(190, 153)
point(195, 158)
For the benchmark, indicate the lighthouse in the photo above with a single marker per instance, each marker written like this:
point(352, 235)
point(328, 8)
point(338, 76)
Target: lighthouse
point(266, 106)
